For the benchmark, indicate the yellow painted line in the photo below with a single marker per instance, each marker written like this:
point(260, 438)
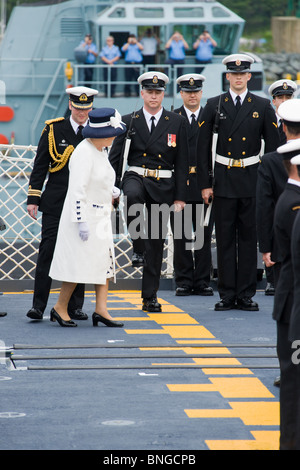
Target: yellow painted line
point(187, 331)
point(263, 440)
point(213, 361)
point(232, 387)
point(198, 341)
point(165, 318)
point(251, 413)
point(204, 350)
point(227, 371)
point(146, 332)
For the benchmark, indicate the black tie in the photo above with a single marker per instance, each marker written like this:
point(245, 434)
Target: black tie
point(238, 103)
point(79, 131)
point(193, 121)
point(152, 124)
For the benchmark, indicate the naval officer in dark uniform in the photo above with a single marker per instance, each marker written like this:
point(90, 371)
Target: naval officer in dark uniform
point(271, 180)
point(286, 211)
point(192, 267)
point(58, 140)
point(244, 120)
point(156, 175)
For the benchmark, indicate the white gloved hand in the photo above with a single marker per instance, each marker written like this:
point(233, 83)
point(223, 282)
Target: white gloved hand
point(84, 231)
point(116, 192)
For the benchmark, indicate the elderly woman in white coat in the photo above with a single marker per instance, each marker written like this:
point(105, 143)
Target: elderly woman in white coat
point(84, 251)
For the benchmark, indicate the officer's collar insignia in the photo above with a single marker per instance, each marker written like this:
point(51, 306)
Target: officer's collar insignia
point(83, 97)
point(167, 118)
point(226, 99)
point(249, 99)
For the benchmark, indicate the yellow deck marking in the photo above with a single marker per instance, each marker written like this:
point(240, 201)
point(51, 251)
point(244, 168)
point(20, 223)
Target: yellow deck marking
point(251, 413)
point(229, 383)
point(227, 371)
point(165, 318)
point(188, 331)
point(263, 440)
point(233, 387)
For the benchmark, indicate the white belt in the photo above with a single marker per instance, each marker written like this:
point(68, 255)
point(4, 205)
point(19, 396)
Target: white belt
point(148, 172)
point(241, 163)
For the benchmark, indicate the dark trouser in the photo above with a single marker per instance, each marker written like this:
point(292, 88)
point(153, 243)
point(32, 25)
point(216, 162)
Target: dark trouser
point(113, 77)
point(131, 75)
point(192, 267)
point(42, 284)
point(88, 76)
point(149, 236)
point(289, 391)
point(235, 225)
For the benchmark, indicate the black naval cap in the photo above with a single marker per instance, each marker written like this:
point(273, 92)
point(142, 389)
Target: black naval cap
point(238, 63)
point(81, 97)
point(282, 87)
point(190, 82)
point(153, 81)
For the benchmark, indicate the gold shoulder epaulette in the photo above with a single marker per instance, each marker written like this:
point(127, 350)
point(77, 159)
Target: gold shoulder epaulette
point(58, 160)
point(296, 208)
point(50, 121)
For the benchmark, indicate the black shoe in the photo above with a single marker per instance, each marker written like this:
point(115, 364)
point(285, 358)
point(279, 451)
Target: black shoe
point(3, 314)
point(78, 314)
point(270, 289)
point(54, 316)
point(225, 304)
point(35, 314)
point(98, 318)
point(204, 291)
point(137, 259)
point(151, 305)
point(183, 291)
point(246, 303)
point(277, 382)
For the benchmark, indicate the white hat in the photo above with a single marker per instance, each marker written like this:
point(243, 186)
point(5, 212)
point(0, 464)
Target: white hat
point(238, 63)
point(153, 80)
point(190, 82)
point(290, 150)
point(81, 97)
point(282, 87)
point(289, 111)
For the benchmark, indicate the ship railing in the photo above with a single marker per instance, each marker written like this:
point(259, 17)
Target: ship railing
point(103, 80)
point(19, 241)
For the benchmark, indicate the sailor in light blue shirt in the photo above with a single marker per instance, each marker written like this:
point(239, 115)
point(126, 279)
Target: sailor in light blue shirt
point(110, 55)
point(176, 46)
point(133, 55)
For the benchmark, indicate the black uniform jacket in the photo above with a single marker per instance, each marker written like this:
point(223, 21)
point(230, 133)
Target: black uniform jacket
point(271, 181)
point(166, 148)
point(51, 200)
point(286, 210)
point(239, 137)
point(193, 188)
point(294, 329)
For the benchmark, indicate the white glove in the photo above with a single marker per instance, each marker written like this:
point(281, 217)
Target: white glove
point(116, 192)
point(84, 231)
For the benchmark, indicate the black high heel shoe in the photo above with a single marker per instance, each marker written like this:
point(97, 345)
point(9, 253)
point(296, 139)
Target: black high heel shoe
point(54, 316)
point(98, 318)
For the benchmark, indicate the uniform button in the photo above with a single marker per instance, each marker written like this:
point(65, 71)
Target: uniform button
point(144, 155)
point(159, 156)
point(230, 139)
point(243, 153)
point(244, 138)
point(229, 153)
point(143, 166)
point(159, 167)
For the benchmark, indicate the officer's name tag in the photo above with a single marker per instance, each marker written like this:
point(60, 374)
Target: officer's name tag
point(222, 116)
point(63, 143)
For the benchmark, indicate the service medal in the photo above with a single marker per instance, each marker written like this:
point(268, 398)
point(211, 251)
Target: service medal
point(172, 140)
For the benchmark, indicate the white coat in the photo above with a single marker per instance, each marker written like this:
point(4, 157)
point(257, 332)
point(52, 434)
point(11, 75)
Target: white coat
point(88, 199)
